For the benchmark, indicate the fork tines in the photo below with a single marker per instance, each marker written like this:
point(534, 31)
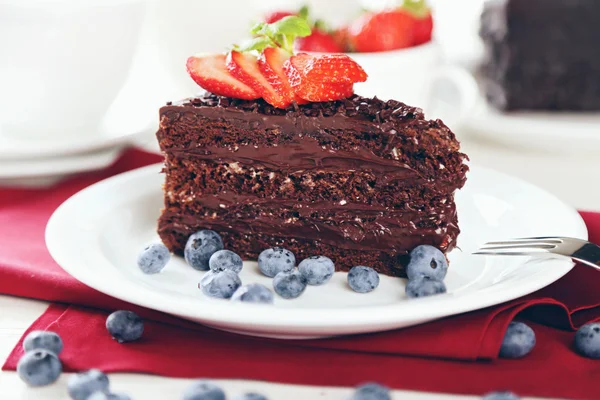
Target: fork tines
point(523, 246)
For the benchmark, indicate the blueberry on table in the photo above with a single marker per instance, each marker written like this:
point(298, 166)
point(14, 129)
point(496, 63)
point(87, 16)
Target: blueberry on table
point(125, 326)
point(587, 340)
point(427, 261)
point(317, 269)
point(108, 396)
point(518, 341)
point(43, 340)
point(220, 284)
point(153, 258)
point(225, 259)
point(82, 385)
point(276, 260)
point(203, 390)
point(501, 396)
point(289, 285)
point(200, 247)
point(250, 396)
point(39, 367)
point(253, 293)
point(424, 286)
point(363, 279)
point(371, 391)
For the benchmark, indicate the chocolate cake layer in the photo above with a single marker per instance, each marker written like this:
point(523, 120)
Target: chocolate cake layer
point(361, 181)
point(542, 54)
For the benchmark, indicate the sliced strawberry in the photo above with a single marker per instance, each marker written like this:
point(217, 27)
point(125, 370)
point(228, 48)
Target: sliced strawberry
point(270, 64)
point(322, 91)
point(276, 16)
point(244, 66)
point(210, 72)
point(318, 41)
point(330, 68)
point(320, 87)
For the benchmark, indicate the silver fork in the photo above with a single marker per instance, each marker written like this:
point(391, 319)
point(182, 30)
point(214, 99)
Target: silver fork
point(585, 252)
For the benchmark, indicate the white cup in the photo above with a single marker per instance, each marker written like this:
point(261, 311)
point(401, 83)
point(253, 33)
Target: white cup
point(63, 63)
point(415, 76)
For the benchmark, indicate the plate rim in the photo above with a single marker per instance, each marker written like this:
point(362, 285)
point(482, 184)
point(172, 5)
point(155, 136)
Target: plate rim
point(300, 320)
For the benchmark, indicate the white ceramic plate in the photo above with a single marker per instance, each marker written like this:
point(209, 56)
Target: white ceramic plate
point(97, 234)
point(561, 132)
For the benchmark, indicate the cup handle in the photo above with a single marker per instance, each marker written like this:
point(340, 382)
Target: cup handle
point(452, 94)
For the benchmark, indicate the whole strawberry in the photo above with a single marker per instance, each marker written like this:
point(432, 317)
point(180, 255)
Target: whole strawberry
point(423, 20)
point(382, 31)
point(318, 41)
point(275, 16)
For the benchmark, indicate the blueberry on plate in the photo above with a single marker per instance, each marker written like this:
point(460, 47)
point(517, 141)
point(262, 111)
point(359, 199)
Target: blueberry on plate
point(225, 259)
point(153, 258)
point(317, 269)
point(82, 385)
point(427, 261)
point(424, 286)
point(276, 260)
point(371, 391)
point(250, 396)
point(108, 396)
point(43, 340)
point(587, 340)
point(518, 341)
point(220, 284)
point(253, 293)
point(203, 390)
point(39, 367)
point(501, 396)
point(363, 279)
point(289, 285)
point(200, 247)
point(125, 326)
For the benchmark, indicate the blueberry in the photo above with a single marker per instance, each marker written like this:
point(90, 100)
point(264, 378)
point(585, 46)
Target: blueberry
point(587, 340)
point(153, 258)
point(363, 279)
point(253, 293)
point(276, 260)
point(82, 385)
point(200, 246)
point(501, 396)
point(289, 285)
point(424, 286)
point(250, 396)
point(317, 269)
point(518, 341)
point(39, 367)
point(203, 390)
point(108, 396)
point(43, 340)
point(371, 391)
point(220, 284)
point(125, 326)
point(225, 259)
point(428, 261)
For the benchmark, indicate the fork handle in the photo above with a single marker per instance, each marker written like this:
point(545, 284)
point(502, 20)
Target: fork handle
point(588, 254)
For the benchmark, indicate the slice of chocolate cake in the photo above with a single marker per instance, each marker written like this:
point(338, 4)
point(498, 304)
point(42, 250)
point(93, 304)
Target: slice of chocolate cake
point(542, 54)
point(361, 181)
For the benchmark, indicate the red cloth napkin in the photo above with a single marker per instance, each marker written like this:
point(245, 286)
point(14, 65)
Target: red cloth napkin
point(455, 355)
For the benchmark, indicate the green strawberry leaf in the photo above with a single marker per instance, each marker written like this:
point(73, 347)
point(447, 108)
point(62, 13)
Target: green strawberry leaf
point(418, 8)
point(258, 43)
point(280, 33)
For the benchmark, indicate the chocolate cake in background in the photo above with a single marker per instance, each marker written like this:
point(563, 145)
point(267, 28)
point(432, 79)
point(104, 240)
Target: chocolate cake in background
point(359, 180)
point(542, 54)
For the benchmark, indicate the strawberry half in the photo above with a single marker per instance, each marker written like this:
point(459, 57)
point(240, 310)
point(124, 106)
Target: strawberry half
point(210, 72)
point(244, 66)
point(323, 77)
point(270, 64)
